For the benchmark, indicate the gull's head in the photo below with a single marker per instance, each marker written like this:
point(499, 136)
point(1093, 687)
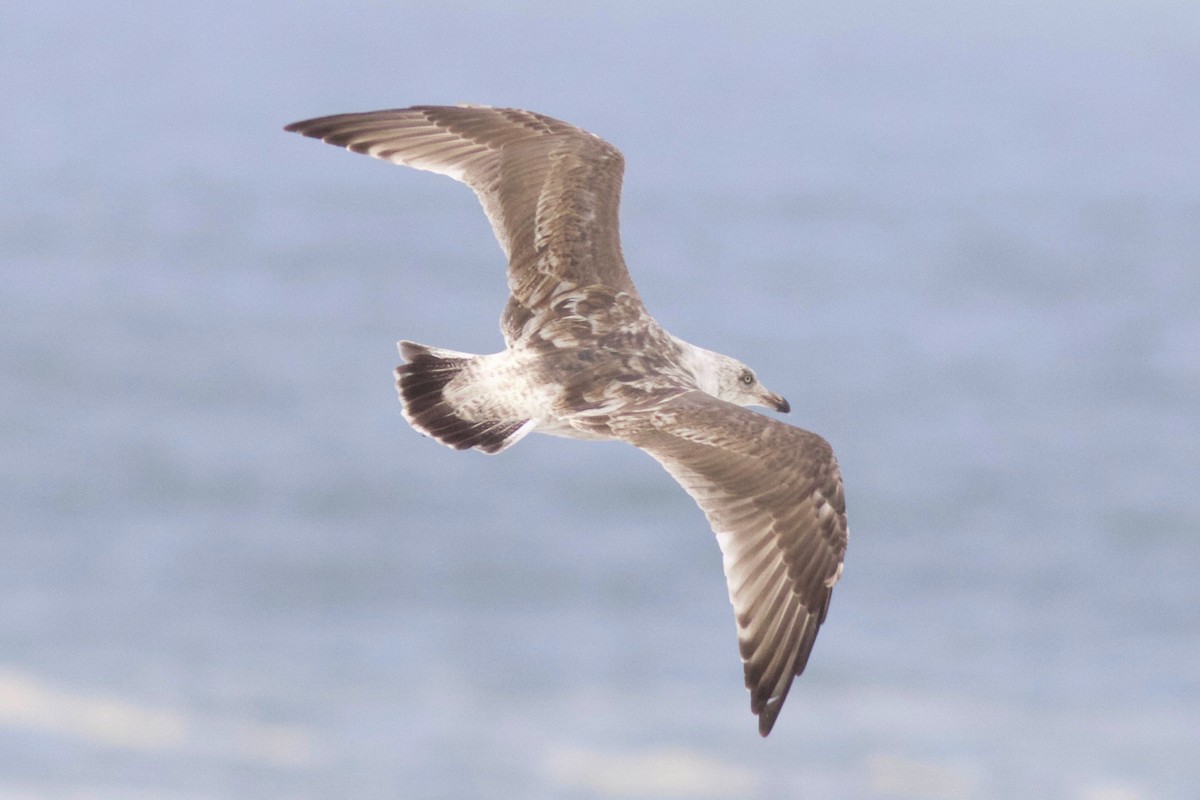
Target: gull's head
point(730, 380)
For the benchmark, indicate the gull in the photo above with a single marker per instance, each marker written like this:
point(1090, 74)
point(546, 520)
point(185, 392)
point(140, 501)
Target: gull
point(585, 360)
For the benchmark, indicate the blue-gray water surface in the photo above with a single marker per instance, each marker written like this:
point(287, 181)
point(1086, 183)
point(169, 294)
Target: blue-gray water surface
point(962, 240)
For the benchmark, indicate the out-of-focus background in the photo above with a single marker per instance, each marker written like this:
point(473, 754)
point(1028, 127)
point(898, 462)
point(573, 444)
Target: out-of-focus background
point(962, 238)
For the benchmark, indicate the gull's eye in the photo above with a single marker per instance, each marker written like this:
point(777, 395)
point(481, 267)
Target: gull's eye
point(747, 377)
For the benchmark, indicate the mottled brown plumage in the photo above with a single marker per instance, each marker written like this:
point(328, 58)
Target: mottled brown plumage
point(585, 359)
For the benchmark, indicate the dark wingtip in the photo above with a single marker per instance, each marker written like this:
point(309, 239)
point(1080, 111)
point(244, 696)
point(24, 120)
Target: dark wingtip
point(766, 721)
point(304, 127)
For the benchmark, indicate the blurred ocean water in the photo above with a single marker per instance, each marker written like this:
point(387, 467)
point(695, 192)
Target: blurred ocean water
point(962, 241)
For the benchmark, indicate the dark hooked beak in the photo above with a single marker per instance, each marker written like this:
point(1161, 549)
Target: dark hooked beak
point(779, 403)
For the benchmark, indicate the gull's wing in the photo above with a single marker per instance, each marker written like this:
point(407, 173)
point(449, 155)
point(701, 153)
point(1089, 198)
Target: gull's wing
point(773, 495)
point(550, 190)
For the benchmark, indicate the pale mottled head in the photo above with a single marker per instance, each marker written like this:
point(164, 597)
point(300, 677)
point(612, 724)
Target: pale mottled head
point(732, 381)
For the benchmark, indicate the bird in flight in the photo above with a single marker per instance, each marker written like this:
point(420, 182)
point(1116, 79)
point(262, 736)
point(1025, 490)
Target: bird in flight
point(584, 359)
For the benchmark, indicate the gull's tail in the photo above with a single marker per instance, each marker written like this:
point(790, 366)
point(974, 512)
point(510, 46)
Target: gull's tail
point(422, 384)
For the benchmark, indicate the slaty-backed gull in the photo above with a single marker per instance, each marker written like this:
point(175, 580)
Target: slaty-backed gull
point(584, 359)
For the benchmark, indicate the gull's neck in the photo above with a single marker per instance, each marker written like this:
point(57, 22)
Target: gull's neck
point(701, 363)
